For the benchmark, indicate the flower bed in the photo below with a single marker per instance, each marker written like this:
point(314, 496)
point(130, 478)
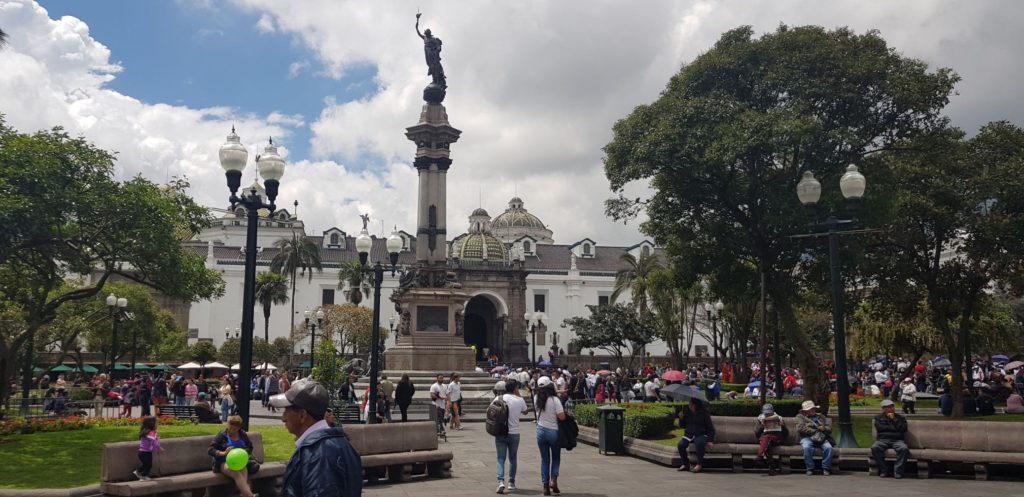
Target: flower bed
point(24, 426)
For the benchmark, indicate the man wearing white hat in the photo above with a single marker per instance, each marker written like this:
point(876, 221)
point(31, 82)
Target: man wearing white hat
point(815, 431)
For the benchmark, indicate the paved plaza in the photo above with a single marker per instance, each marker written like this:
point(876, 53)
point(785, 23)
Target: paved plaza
point(586, 473)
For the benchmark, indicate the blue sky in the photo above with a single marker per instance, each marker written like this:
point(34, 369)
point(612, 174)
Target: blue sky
point(183, 54)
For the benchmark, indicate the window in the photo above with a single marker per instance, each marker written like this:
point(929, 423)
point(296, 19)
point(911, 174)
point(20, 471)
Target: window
point(328, 296)
point(193, 333)
point(702, 350)
point(586, 249)
point(526, 247)
point(602, 300)
point(645, 252)
point(538, 302)
point(334, 239)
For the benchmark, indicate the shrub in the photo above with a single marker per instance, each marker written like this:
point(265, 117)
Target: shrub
point(586, 415)
point(642, 420)
point(25, 426)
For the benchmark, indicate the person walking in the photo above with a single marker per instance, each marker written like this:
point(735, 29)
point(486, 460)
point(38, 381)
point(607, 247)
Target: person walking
point(403, 396)
point(549, 413)
point(815, 431)
point(324, 462)
point(508, 445)
point(272, 388)
point(908, 395)
point(439, 396)
point(455, 401)
point(227, 401)
point(149, 442)
point(191, 392)
point(388, 389)
point(144, 390)
point(698, 430)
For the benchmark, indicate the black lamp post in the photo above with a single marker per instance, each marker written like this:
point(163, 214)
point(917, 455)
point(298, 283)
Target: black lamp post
point(115, 304)
point(364, 244)
point(233, 157)
point(312, 326)
point(534, 319)
point(808, 190)
point(712, 311)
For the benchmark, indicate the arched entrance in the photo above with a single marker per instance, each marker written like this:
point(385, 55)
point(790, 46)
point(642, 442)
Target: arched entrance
point(482, 326)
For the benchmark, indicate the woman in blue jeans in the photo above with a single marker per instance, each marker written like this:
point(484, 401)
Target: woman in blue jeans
point(549, 413)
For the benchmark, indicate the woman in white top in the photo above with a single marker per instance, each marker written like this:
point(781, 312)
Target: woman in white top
point(455, 402)
point(549, 413)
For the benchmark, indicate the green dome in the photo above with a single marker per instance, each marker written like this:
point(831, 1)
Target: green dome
point(480, 246)
point(516, 217)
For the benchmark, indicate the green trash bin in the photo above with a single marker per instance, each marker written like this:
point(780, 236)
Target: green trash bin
point(610, 423)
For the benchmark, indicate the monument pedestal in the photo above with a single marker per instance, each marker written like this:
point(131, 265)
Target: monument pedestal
point(430, 334)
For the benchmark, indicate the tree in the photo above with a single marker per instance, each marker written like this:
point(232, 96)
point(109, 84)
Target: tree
point(726, 142)
point(350, 327)
point(283, 348)
point(615, 328)
point(64, 215)
point(674, 312)
point(263, 351)
point(636, 277)
point(230, 351)
point(3, 39)
point(352, 274)
point(271, 289)
point(297, 256)
point(202, 352)
point(957, 225)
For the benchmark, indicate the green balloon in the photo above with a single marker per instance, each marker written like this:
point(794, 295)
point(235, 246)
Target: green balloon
point(237, 459)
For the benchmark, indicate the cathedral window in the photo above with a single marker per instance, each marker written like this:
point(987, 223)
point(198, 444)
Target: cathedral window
point(334, 239)
point(586, 249)
point(645, 252)
point(526, 247)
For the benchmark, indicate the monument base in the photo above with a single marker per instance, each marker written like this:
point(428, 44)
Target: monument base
point(443, 359)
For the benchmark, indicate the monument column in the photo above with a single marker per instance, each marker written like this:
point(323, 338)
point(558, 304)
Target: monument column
point(430, 298)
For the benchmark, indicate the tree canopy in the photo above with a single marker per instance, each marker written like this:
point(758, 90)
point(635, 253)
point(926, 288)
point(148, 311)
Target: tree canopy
point(615, 328)
point(725, 144)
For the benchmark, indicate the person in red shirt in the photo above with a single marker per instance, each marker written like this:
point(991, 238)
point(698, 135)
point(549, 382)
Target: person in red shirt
point(920, 369)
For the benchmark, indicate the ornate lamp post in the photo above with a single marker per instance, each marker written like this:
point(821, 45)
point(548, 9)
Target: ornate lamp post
point(712, 311)
point(534, 319)
point(115, 304)
point(319, 315)
point(233, 157)
point(808, 190)
point(364, 244)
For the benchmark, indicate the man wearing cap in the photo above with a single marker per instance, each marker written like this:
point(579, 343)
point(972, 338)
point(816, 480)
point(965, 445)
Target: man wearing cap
point(769, 430)
point(891, 429)
point(815, 431)
point(324, 462)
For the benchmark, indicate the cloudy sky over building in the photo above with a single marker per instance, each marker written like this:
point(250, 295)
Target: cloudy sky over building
point(535, 86)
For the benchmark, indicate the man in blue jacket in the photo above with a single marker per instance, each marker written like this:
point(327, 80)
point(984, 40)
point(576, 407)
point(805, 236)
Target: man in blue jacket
point(324, 463)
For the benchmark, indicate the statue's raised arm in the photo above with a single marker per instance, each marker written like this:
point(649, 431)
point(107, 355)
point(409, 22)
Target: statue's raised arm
point(418, 25)
point(432, 52)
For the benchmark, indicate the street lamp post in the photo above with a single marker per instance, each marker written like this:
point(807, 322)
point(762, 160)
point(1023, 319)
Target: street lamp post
point(852, 185)
point(115, 304)
point(233, 157)
point(712, 311)
point(364, 244)
point(312, 335)
point(533, 319)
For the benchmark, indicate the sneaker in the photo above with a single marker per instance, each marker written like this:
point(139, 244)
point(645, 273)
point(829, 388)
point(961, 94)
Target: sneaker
point(683, 468)
point(826, 472)
point(138, 475)
point(809, 472)
point(897, 476)
point(501, 488)
point(511, 486)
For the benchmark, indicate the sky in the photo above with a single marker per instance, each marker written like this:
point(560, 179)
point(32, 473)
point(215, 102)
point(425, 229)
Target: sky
point(535, 86)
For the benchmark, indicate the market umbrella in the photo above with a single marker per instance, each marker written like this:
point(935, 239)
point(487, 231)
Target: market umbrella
point(305, 365)
point(544, 364)
point(86, 368)
point(190, 365)
point(62, 369)
point(1013, 365)
point(214, 365)
point(123, 367)
point(1000, 358)
point(754, 384)
point(673, 375)
point(603, 372)
point(679, 391)
point(162, 367)
point(941, 363)
point(236, 367)
point(266, 365)
point(498, 369)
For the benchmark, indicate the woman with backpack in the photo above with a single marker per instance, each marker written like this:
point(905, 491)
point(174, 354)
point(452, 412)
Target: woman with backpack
point(549, 413)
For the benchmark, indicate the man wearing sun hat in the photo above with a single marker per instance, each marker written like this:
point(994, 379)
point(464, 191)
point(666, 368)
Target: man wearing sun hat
point(891, 429)
point(815, 432)
point(324, 462)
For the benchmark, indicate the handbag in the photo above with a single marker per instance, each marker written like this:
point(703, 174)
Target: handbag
point(819, 438)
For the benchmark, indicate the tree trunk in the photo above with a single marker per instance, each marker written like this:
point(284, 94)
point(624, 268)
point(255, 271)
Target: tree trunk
point(292, 329)
point(815, 382)
point(266, 323)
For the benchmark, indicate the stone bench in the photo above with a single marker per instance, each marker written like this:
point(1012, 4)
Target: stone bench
point(735, 438)
point(182, 468)
point(399, 451)
point(979, 443)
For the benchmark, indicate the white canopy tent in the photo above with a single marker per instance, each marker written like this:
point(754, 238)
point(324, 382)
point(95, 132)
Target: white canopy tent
point(214, 365)
point(190, 365)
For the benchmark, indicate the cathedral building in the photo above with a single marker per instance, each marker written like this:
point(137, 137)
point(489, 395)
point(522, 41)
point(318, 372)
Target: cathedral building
point(510, 265)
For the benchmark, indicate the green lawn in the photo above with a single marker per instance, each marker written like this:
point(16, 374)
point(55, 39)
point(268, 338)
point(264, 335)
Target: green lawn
point(72, 458)
point(861, 427)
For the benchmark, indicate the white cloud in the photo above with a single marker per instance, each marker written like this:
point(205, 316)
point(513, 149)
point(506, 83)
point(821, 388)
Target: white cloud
point(296, 68)
point(535, 87)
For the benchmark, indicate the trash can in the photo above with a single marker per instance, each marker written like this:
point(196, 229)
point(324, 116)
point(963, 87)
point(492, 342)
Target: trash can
point(610, 422)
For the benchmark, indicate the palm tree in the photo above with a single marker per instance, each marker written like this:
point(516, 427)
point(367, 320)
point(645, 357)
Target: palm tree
point(3, 38)
point(352, 273)
point(297, 256)
point(636, 277)
point(271, 290)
